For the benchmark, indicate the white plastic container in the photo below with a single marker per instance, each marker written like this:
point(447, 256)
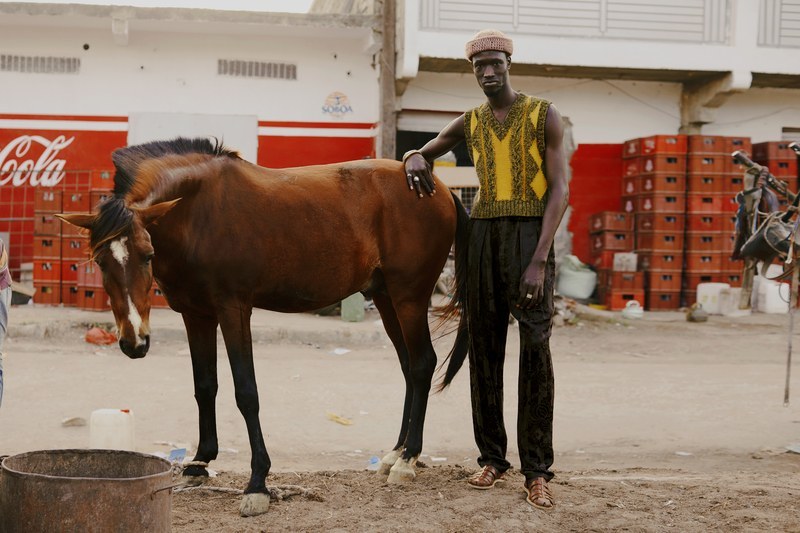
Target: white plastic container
point(708, 295)
point(773, 297)
point(353, 308)
point(112, 429)
point(575, 279)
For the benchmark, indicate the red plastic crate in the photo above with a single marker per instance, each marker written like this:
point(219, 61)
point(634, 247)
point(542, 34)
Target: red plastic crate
point(660, 261)
point(617, 300)
point(732, 278)
point(92, 299)
point(739, 143)
point(729, 265)
point(97, 197)
point(657, 202)
point(663, 300)
point(69, 270)
point(69, 294)
point(612, 240)
point(631, 185)
point(631, 148)
point(46, 247)
point(772, 150)
point(708, 144)
point(706, 183)
point(102, 180)
point(611, 221)
point(630, 203)
point(705, 242)
point(47, 293)
point(76, 202)
point(46, 224)
point(47, 200)
point(603, 260)
point(659, 241)
point(673, 222)
point(664, 280)
point(89, 275)
point(706, 222)
point(782, 168)
point(632, 167)
point(732, 183)
point(669, 163)
point(662, 182)
point(704, 261)
point(705, 203)
point(157, 299)
point(664, 144)
point(692, 279)
point(706, 163)
point(623, 281)
point(75, 247)
point(46, 270)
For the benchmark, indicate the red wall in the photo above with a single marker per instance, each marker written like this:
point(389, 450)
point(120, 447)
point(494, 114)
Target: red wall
point(596, 186)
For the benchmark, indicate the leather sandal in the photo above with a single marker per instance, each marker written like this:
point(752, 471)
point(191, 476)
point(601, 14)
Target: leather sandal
point(539, 494)
point(486, 478)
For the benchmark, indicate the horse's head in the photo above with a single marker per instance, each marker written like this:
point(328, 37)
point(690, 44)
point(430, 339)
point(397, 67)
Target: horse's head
point(121, 246)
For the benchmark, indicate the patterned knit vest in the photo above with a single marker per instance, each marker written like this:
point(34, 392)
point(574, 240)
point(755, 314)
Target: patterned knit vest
point(509, 158)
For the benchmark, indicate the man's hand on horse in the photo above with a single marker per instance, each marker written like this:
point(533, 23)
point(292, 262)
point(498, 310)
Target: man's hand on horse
point(418, 174)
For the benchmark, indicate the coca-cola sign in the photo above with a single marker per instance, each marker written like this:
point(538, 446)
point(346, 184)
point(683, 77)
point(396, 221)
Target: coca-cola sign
point(20, 165)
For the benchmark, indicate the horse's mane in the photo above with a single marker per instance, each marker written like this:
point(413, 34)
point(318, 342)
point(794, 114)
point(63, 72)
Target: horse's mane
point(114, 215)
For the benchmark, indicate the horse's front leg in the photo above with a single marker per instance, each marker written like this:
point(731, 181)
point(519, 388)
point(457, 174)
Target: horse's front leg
point(202, 335)
point(235, 325)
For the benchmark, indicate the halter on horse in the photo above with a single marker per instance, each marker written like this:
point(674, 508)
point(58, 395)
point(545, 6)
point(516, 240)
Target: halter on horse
point(222, 236)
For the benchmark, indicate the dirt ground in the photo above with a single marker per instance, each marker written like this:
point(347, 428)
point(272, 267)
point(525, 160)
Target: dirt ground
point(660, 424)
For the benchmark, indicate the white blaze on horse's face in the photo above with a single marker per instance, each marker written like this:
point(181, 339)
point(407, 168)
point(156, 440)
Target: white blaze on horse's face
point(120, 253)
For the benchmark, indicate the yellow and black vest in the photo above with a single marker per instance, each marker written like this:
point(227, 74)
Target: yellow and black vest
point(509, 158)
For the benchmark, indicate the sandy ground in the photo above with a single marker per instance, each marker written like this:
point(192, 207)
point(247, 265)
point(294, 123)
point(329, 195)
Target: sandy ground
point(660, 424)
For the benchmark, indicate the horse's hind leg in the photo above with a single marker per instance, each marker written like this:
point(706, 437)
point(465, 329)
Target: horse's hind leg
point(413, 318)
point(202, 335)
point(384, 305)
point(235, 324)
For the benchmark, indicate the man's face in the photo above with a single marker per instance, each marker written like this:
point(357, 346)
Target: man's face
point(491, 71)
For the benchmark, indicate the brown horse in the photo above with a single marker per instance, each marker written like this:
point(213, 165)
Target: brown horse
point(222, 236)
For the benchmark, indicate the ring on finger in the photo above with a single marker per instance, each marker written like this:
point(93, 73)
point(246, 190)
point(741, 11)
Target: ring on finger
point(529, 296)
point(416, 179)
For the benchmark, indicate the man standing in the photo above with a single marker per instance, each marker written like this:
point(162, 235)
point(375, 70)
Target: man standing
point(515, 142)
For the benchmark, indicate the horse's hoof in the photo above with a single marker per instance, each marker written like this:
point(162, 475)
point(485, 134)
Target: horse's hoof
point(402, 472)
point(388, 462)
point(254, 504)
point(193, 481)
point(195, 471)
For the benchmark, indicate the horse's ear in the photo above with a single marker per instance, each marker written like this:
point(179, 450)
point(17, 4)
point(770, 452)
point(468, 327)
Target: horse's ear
point(82, 220)
point(154, 212)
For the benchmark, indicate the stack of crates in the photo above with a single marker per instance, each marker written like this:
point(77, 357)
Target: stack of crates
point(654, 185)
point(611, 240)
point(47, 246)
point(781, 160)
point(712, 183)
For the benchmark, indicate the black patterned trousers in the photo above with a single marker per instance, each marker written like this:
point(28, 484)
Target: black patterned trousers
point(499, 251)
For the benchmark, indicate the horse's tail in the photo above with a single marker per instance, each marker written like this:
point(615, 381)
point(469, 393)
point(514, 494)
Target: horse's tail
point(458, 302)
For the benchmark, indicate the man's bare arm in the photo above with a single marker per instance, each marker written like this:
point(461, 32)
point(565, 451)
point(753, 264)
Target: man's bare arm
point(418, 164)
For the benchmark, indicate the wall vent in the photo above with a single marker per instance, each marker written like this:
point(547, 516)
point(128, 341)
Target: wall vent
point(40, 64)
point(256, 69)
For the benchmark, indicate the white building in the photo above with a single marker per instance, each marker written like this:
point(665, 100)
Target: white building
point(618, 69)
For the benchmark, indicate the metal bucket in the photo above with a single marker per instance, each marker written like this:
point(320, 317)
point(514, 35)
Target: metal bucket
point(85, 490)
